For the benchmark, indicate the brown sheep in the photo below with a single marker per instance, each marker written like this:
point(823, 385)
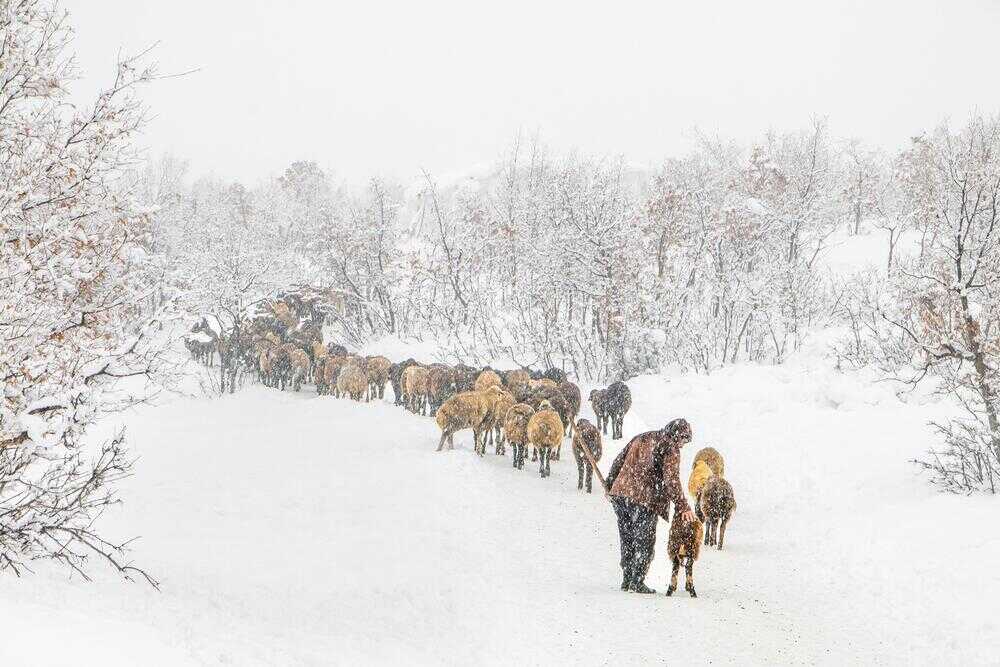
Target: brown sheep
point(266, 368)
point(619, 401)
point(515, 381)
point(545, 432)
point(414, 385)
point(331, 372)
point(599, 403)
point(465, 378)
point(378, 375)
point(556, 400)
point(440, 385)
point(571, 395)
point(498, 412)
point(352, 382)
point(396, 378)
point(684, 544)
point(715, 506)
point(468, 409)
point(487, 379)
point(712, 458)
point(515, 428)
point(319, 355)
point(585, 435)
point(298, 366)
point(699, 475)
point(544, 382)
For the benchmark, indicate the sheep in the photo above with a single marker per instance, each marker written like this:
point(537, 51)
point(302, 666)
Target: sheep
point(319, 355)
point(378, 375)
point(414, 385)
point(486, 379)
point(545, 432)
point(684, 544)
point(571, 394)
point(699, 475)
point(619, 400)
point(281, 365)
point(331, 373)
point(515, 381)
point(352, 382)
point(557, 375)
point(585, 435)
point(555, 399)
point(396, 378)
point(715, 506)
point(300, 367)
point(541, 383)
point(515, 428)
point(712, 458)
point(265, 367)
point(599, 403)
point(468, 409)
point(503, 402)
point(440, 385)
point(334, 350)
point(465, 378)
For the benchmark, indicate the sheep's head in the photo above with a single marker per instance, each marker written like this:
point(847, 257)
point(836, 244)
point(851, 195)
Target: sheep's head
point(544, 405)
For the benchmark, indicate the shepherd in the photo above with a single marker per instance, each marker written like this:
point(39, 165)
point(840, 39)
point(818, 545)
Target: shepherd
point(642, 482)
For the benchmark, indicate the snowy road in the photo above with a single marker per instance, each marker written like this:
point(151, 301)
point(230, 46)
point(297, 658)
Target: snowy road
point(292, 529)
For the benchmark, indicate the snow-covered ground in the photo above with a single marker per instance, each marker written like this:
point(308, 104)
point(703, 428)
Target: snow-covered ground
point(291, 529)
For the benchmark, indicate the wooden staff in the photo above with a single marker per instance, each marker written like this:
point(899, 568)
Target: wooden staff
point(593, 464)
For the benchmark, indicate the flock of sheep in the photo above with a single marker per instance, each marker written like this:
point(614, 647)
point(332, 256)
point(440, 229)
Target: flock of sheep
point(523, 408)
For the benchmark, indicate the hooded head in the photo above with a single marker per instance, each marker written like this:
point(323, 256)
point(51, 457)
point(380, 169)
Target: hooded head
point(678, 431)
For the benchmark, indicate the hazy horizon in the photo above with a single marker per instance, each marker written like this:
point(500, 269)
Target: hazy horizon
point(384, 90)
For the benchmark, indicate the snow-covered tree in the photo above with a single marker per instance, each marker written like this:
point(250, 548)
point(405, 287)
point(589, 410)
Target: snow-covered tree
point(76, 272)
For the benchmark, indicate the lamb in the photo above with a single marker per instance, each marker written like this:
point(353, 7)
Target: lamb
point(488, 378)
point(396, 378)
point(545, 432)
point(699, 475)
point(352, 382)
point(684, 544)
point(468, 409)
point(712, 458)
point(378, 375)
point(515, 428)
point(619, 400)
point(585, 435)
point(414, 385)
point(599, 403)
point(715, 506)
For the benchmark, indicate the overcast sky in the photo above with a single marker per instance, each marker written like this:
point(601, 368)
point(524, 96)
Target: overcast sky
point(370, 87)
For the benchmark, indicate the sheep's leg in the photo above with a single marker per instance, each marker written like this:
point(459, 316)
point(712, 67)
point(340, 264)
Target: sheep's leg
point(673, 576)
point(722, 531)
point(689, 577)
point(590, 477)
point(444, 434)
point(541, 464)
point(534, 454)
point(579, 472)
